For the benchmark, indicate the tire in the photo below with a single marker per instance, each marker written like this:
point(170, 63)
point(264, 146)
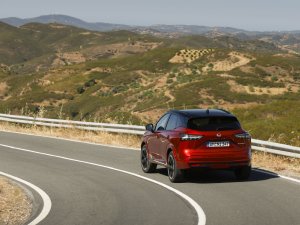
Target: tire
point(243, 173)
point(175, 175)
point(146, 165)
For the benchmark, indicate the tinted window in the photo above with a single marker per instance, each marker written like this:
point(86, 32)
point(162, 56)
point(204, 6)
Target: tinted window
point(181, 121)
point(176, 121)
point(161, 124)
point(172, 123)
point(214, 123)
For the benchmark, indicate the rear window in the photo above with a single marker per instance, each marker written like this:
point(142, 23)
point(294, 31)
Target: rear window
point(214, 123)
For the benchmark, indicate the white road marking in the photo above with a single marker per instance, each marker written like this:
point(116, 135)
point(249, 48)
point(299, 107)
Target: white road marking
point(275, 174)
point(193, 203)
point(46, 200)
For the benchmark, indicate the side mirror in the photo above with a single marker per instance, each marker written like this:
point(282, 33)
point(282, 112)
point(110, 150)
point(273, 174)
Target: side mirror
point(149, 127)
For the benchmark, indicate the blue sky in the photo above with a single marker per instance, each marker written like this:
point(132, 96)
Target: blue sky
point(246, 14)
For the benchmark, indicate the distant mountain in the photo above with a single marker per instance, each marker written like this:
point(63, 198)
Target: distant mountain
point(161, 28)
point(287, 40)
point(66, 20)
point(194, 29)
point(13, 21)
point(153, 29)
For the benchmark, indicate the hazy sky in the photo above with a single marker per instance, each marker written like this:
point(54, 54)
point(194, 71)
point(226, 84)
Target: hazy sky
point(246, 14)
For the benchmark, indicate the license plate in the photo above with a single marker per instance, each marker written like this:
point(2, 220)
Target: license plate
point(218, 144)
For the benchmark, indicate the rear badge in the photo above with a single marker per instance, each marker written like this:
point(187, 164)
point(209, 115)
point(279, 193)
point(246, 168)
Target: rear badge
point(219, 135)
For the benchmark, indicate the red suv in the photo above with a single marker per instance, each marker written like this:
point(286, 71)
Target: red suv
point(184, 139)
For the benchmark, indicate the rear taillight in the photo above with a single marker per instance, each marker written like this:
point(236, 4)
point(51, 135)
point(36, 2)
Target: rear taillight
point(243, 136)
point(189, 137)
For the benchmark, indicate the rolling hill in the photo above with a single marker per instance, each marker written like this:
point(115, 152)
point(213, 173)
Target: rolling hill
point(62, 71)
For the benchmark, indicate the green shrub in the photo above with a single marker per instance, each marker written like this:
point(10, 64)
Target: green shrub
point(169, 81)
point(274, 78)
point(80, 90)
point(296, 76)
point(90, 83)
point(171, 75)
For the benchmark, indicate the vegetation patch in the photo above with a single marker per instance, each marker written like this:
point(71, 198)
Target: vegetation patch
point(189, 55)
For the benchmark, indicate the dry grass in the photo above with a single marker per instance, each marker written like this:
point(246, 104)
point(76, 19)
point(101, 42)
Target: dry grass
point(283, 165)
point(252, 90)
point(125, 140)
point(234, 60)
point(279, 164)
point(68, 58)
point(3, 88)
point(15, 207)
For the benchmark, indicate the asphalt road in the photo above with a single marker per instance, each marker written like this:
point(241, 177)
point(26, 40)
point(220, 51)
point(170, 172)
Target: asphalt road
point(87, 194)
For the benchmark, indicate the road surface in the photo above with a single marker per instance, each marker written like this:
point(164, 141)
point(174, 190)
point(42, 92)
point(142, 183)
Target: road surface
point(83, 193)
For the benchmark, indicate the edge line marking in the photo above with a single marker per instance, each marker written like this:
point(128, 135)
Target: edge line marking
point(46, 199)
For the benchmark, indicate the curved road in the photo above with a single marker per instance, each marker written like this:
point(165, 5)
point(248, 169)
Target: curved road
point(88, 194)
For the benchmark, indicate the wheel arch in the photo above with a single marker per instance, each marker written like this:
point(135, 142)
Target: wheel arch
point(171, 148)
point(168, 152)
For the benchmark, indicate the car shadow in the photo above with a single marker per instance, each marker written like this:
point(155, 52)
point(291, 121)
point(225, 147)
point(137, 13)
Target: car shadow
point(220, 176)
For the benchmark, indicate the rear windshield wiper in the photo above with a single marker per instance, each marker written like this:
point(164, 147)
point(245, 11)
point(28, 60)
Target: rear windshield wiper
point(224, 128)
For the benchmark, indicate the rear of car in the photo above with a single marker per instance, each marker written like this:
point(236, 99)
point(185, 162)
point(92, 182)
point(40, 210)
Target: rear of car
point(214, 142)
point(187, 139)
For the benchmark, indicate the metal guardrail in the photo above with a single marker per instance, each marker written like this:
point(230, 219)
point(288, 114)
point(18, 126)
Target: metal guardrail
point(276, 148)
point(107, 127)
point(258, 145)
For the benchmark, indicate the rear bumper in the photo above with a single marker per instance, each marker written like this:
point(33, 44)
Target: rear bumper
point(217, 159)
point(213, 165)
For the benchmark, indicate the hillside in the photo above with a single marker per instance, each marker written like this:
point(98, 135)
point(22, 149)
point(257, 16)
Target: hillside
point(62, 71)
point(19, 45)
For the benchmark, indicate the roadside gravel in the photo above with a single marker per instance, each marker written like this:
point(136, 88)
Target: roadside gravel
point(15, 205)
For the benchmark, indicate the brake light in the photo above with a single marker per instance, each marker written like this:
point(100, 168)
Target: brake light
point(189, 137)
point(243, 136)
